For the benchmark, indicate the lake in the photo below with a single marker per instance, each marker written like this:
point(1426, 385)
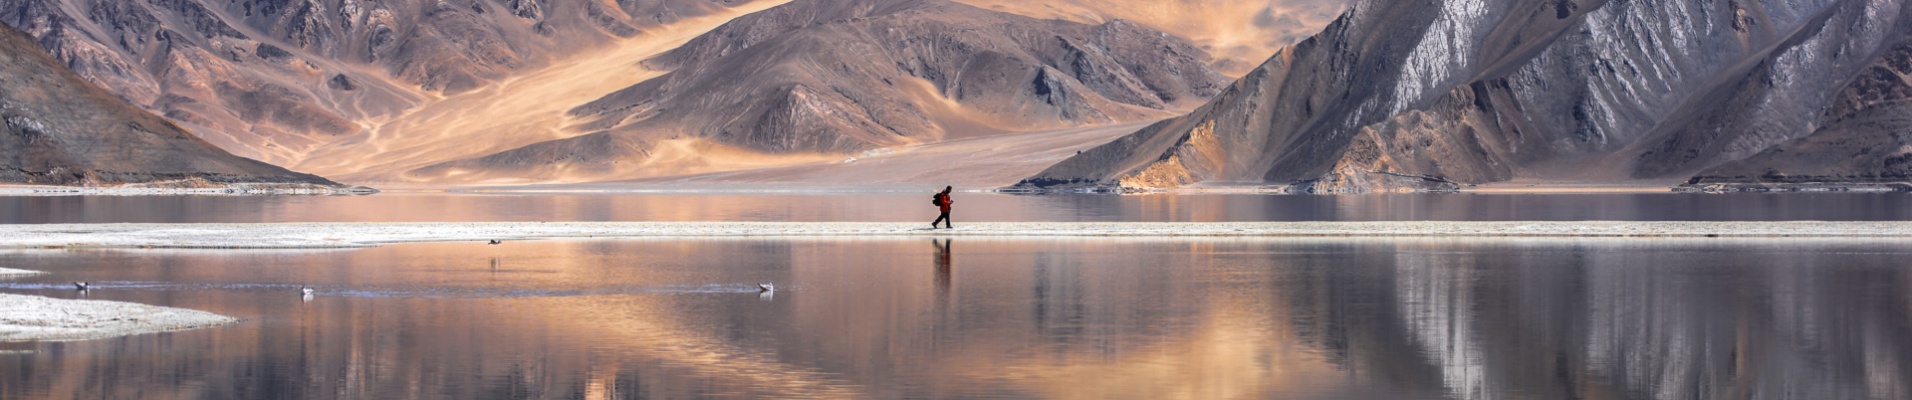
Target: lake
point(991, 318)
point(996, 319)
point(975, 207)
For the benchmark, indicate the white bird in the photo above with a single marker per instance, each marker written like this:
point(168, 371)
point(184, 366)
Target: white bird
point(766, 287)
point(496, 241)
point(305, 290)
point(79, 285)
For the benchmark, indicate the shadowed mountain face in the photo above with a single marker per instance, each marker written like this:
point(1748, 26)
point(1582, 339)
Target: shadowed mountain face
point(274, 78)
point(842, 77)
point(62, 130)
point(1426, 94)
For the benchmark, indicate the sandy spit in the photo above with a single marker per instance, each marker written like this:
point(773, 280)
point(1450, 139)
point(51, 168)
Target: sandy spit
point(35, 318)
point(8, 272)
point(346, 235)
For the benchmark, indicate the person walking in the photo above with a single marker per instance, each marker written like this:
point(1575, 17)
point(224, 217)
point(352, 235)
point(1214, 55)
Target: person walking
point(943, 201)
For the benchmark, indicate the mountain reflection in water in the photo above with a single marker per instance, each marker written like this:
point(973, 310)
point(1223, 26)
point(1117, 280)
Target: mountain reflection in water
point(970, 318)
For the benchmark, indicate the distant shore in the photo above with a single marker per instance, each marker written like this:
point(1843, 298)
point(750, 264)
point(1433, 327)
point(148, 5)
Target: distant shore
point(352, 235)
point(235, 189)
point(35, 318)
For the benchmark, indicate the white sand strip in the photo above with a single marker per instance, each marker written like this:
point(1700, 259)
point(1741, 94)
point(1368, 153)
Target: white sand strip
point(336, 235)
point(9, 272)
point(35, 318)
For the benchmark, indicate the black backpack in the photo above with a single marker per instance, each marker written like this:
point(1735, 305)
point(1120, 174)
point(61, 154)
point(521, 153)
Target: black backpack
point(936, 199)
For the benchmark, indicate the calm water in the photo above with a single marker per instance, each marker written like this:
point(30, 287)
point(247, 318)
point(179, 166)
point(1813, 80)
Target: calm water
point(891, 207)
point(1362, 319)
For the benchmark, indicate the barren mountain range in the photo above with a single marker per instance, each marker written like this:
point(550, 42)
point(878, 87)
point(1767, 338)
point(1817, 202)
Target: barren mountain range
point(1388, 96)
point(62, 130)
point(372, 90)
point(272, 79)
point(1436, 94)
point(849, 76)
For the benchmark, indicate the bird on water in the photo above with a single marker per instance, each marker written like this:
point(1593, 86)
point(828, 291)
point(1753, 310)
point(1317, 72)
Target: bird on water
point(80, 285)
point(496, 241)
point(766, 287)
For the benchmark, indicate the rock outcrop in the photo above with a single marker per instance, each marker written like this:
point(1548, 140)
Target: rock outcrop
point(271, 79)
point(1429, 94)
point(60, 129)
point(846, 76)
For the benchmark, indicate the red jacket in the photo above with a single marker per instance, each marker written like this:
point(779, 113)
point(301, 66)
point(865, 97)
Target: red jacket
point(945, 201)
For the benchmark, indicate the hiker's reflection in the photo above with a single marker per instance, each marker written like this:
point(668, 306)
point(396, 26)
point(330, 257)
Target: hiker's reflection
point(942, 267)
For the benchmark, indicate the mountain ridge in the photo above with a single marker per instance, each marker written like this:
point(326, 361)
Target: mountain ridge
point(785, 81)
point(273, 79)
point(1604, 99)
point(62, 130)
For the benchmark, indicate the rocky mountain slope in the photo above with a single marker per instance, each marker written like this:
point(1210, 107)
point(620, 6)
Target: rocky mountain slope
point(62, 130)
point(1864, 140)
point(847, 76)
point(1432, 94)
point(1238, 33)
point(273, 79)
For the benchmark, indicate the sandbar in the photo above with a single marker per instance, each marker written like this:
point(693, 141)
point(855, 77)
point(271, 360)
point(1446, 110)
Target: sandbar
point(9, 272)
point(35, 318)
point(352, 235)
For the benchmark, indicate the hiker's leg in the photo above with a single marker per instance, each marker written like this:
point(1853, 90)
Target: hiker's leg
point(948, 222)
point(932, 224)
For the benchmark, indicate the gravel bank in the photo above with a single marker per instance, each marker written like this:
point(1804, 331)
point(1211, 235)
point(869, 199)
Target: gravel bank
point(35, 318)
point(346, 235)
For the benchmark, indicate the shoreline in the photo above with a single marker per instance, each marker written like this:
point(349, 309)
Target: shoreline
point(25, 318)
point(234, 189)
point(360, 235)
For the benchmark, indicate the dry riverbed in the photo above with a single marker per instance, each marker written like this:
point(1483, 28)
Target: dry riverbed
point(35, 318)
point(347, 235)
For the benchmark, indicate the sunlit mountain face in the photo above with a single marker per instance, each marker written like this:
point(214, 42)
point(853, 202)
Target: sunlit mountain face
point(381, 90)
point(1327, 96)
point(1419, 95)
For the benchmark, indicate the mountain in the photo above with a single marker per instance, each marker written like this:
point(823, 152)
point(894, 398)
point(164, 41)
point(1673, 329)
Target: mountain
point(62, 130)
point(826, 78)
point(1429, 95)
point(275, 79)
point(1864, 140)
point(1239, 33)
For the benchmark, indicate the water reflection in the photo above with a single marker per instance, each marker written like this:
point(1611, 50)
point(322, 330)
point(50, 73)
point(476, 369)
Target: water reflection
point(981, 207)
point(1037, 318)
point(942, 269)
